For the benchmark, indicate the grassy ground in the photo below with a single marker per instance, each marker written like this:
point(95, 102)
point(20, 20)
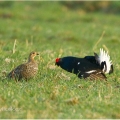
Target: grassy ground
point(55, 31)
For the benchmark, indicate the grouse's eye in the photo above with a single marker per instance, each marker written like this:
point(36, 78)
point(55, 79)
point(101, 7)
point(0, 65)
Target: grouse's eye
point(33, 53)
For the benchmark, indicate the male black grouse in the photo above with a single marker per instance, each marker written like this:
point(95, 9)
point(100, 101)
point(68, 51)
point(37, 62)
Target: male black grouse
point(92, 67)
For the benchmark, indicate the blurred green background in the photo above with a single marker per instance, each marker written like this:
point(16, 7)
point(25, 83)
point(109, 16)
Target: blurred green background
point(57, 29)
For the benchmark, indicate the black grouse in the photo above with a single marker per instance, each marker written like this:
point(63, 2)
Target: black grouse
point(91, 67)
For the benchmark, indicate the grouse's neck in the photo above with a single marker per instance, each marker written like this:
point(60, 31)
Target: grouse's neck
point(31, 59)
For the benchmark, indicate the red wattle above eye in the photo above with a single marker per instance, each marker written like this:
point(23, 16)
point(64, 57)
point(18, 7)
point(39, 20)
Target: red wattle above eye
point(57, 59)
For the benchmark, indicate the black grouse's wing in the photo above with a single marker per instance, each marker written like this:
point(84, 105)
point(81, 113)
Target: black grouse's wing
point(89, 70)
point(99, 76)
point(93, 75)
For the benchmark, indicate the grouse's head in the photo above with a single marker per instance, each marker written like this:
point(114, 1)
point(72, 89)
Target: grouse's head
point(66, 63)
point(58, 61)
point(32, 55)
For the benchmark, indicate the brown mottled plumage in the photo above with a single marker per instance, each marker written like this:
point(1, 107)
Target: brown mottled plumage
point(26, 70)
point(98, 74)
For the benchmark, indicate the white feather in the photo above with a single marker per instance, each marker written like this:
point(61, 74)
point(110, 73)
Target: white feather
point(103, 56)
point(92, 71)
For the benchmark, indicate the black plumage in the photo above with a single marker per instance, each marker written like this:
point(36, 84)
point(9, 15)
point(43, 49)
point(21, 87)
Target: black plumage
point(87, 67)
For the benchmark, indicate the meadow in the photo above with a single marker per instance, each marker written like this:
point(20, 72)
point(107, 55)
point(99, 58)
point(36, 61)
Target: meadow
point(54, 30)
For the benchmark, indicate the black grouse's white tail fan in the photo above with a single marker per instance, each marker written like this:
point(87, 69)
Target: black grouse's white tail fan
point(104, 61)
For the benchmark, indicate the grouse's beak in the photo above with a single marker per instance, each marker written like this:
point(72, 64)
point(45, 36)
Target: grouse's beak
point(37, 53)
point(57, 64)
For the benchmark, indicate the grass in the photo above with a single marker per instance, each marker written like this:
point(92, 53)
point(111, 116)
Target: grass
point(56, 31)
